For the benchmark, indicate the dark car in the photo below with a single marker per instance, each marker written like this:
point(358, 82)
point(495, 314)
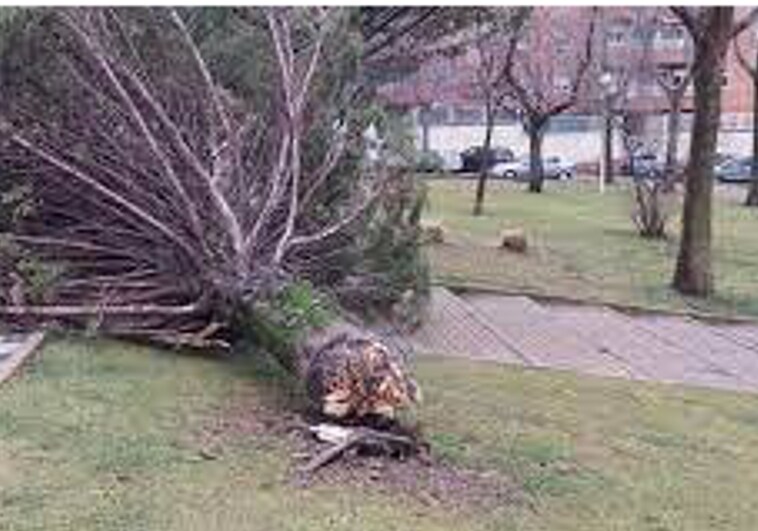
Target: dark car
point(473, 157)
point(647, 166)
point(733, 170)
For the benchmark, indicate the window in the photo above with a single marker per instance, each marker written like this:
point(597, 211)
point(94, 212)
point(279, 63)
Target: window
point(641, 35)
point(616, 35)
point(571, 123)
point(436, 115)
point(562, 83)
point(561, 41)
point(468, 115)
point(505, 116)
point(670, 37)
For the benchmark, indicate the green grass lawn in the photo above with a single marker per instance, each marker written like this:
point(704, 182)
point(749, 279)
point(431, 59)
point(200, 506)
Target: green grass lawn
point(103, 435)
point(584, 245)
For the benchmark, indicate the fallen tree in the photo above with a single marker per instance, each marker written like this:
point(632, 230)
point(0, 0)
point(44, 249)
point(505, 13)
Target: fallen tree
point(174, 206)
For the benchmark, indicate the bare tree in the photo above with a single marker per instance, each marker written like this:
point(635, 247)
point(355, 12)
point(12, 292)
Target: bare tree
point(545, 71)
point(751, 68)
point(174, 206)
point(631, 70)
point(494, 27)
point(673, 80)
point(711, 30)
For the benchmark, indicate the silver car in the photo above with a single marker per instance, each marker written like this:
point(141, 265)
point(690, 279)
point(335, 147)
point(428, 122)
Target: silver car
point(554, 167)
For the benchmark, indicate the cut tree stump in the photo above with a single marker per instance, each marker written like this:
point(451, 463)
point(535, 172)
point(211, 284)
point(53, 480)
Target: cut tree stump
point(351, 374)
point(513, 240)
point(433, 232)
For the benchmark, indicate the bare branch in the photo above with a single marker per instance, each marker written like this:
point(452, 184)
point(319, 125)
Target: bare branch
point(94, 184)
point(688, 20)
point(219, 107)
point(83, 311)
point(744, 23)
point(752, 70)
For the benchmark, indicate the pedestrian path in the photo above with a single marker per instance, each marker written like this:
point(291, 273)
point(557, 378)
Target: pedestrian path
point(14, 349)
point(589, 339)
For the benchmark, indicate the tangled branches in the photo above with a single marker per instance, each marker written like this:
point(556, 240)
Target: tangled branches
point(169, 200)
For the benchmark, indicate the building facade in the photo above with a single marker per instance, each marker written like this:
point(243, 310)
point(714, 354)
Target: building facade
point(641, 51)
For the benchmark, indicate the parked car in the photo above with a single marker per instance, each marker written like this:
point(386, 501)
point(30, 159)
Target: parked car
point(647, 166)
point(733, 170)
point(554, 167)
point(558, 168)
point(472, 158)
point(429, 162)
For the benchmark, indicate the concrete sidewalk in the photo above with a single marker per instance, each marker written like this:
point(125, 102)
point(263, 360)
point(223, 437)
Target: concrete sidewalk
point(592, 340)
point(14, 349)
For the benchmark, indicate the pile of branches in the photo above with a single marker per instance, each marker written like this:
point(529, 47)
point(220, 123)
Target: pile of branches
point(169, 201)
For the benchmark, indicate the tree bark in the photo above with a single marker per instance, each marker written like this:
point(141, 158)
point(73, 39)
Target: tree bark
point(484, 160)
point(536, 129)
point(424, 119)
point(693, 274)
point(608, 147)
point(752, 195)
point(672, 143)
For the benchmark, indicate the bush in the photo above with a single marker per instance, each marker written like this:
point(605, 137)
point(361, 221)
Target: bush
point(279, 323)
point(391, 275)
point(652, 208)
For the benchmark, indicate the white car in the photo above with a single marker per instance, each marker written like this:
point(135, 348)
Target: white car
point(554, 168)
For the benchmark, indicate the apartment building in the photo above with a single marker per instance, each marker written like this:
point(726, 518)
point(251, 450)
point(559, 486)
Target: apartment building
point(636, 52)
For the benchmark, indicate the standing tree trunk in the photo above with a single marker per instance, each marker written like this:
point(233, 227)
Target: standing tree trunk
point(489, 118)
point(536, 130)
point(424, 119)
point(674, 87)
point(672, 143)
point(608, 144)
point(752, 195)
point(693, 274)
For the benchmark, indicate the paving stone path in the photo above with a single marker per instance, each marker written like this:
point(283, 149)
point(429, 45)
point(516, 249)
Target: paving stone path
point(592, 340)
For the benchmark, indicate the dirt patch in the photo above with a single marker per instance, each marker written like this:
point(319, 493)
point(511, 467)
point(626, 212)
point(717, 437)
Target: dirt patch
point(421, 476)
point(426, 479)
point(243, 417)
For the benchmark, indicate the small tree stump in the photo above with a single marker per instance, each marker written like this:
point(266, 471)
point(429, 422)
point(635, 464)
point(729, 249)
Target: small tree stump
point(513, 240)
point(432, 232)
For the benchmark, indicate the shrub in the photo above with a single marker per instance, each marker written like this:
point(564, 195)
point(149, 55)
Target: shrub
point(651, 208)
point(391, 274)
point(279, 323)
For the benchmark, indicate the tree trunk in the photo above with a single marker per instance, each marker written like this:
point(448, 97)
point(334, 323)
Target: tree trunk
point(752, 195)
point(536, 173)
point(352, 374)
point(484, 159)
point(424, 119)
point(693, 274)
point(608, 145)
point(672, 142)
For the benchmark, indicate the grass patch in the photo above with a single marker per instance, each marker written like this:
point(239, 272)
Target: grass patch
point(597, 454)
point(583, 244)
point(99, 435)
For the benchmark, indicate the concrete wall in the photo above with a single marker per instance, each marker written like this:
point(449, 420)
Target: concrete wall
point(581, 147)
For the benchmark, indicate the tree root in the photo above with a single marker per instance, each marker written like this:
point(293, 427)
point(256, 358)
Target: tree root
point(357, 437)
